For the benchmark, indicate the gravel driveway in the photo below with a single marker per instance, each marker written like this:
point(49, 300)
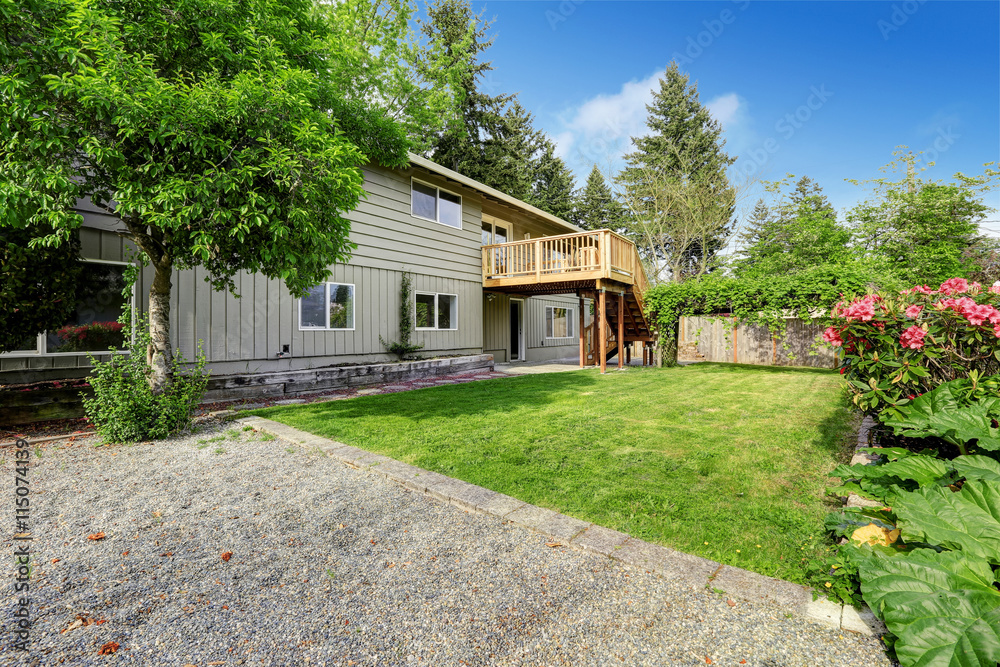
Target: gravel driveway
point(336, 566)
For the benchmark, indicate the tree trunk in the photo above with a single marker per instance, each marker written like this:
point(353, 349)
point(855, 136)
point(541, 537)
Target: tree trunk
point(159, 354)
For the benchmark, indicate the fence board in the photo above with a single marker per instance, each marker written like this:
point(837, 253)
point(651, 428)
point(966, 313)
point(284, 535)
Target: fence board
point(707, 339)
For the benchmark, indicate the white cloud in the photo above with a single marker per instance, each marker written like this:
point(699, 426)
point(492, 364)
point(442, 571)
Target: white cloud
point(599, 131)
point(724, 108)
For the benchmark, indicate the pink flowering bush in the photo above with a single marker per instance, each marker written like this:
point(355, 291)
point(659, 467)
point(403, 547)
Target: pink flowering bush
point(898, 346)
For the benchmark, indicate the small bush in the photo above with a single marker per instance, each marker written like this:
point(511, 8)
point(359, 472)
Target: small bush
point(124, 408)
point(899, 346)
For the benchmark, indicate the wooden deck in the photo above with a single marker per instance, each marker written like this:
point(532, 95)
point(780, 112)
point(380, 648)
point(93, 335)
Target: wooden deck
point(600, 265)
point(555, 260)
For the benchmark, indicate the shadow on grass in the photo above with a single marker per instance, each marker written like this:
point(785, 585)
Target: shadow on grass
point(484, 397)
point(717, 367)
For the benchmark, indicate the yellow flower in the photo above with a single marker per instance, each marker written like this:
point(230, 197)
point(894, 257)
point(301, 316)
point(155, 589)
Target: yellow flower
point(828, 584)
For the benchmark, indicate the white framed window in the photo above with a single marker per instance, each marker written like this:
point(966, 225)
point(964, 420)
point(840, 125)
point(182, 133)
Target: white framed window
point(432, 203)
point(435, 311)
point(93, 327)
point(496, 231)
point(559, 322)
point(327, 307)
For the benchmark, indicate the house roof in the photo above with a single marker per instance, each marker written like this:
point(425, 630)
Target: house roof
point(486, 190)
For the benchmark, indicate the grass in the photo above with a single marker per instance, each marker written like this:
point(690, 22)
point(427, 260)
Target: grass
point(724, 461)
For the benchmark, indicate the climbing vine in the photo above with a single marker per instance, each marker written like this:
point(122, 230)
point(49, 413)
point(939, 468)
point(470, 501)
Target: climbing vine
point(764, 301)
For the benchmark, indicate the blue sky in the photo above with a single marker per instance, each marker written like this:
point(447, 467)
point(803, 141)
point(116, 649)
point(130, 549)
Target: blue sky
point(824, 89)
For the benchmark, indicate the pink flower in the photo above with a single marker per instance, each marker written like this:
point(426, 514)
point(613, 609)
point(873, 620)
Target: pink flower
point(919, 289)
point(979, 314)
point(913, 311)
point(863, 309)
point(995, 287)
point(832, 336)
point(954, 286)
point(913, 338)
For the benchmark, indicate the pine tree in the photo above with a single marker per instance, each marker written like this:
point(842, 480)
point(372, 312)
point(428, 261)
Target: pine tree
point(757, 226)
point(552, 187)
point(494, 140)
point(799, 233)
point(680, 161)
point(597, 207)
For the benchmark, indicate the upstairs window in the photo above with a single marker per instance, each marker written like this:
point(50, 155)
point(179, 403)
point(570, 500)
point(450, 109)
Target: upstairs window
point(433, 203)
point(329, 306)
point(436, 311)
point(559, 322)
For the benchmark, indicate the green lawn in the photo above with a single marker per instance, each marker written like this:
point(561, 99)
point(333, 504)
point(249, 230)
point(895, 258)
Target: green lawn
point(723, 461)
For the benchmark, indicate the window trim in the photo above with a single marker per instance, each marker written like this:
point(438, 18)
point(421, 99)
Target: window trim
point(570, 323)
point(437, 206)
point(496, 222)
point(326, 309)
point(41, 345)
point(435, 295)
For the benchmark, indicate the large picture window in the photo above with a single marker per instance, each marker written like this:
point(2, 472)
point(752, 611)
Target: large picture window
point(328, 306)
point(559, 322)
point(93, 325)
point(436, 311)
point(433, 203)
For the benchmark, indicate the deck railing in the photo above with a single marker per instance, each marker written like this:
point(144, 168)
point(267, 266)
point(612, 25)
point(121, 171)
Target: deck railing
point(584, 256)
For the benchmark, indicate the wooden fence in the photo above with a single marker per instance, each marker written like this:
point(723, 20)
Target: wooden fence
point(707, 339)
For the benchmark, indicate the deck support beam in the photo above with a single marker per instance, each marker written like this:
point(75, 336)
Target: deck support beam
point(602, 327)
point(621, 330)
point(582, 335)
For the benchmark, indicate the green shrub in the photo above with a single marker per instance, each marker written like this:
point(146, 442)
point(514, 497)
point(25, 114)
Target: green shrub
point(124, 408)
point(403, 347)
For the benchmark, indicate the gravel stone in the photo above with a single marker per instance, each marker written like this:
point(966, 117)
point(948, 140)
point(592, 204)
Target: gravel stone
point(335, 565)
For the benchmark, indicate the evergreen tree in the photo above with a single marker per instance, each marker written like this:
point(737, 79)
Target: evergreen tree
point(494, 140)
point(801, 232)
point(597, 207)
point(757, 226)
point(681, 161)
point(552, 187)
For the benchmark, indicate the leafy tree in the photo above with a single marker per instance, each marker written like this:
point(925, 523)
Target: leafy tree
point(925, 231)
point(552, 189)
point(800, 232)
point(216, 132)
point(682, 152)
point(38, 289)
point(379, 57)
point(597, 206)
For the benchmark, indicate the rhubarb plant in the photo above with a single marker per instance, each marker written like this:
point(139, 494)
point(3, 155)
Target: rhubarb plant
point(928, 561)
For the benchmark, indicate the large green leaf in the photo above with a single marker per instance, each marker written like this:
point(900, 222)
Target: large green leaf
point(965, 521)
point(977, 467)
point(938, 413)
point(943, 607)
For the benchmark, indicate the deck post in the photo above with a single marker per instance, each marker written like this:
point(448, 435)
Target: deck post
point(602, 326)
point(582, 335)
point(621, 330)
